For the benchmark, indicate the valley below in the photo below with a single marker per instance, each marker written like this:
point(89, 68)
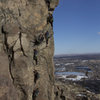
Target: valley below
point(80, 76)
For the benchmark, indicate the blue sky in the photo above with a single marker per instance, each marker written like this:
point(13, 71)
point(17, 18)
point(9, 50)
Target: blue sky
point(77, 27)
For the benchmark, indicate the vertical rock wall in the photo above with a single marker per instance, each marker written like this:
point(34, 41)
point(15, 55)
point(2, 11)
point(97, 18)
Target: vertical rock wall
point(26, 49)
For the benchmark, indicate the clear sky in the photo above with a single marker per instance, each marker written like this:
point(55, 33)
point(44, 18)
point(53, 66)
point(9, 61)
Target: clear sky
point(77, 27)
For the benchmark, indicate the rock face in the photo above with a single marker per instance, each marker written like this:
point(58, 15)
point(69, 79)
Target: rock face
point(26, 49)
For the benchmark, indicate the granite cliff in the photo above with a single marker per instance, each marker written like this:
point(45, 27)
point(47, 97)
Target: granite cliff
point(26, 49)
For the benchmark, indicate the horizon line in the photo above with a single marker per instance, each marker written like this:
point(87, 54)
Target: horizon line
point(75, 54)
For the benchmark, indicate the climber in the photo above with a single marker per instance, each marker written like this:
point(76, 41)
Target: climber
point(35, 56)
point(47, 36)
point(48, 3)
point(36, 76)
point(38, 40)
point(50, 19)
point(35, 94)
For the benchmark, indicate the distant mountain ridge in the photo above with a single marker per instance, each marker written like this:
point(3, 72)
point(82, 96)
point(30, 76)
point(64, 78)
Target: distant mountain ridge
point(60, 55)
point(80, 56)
